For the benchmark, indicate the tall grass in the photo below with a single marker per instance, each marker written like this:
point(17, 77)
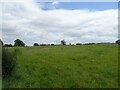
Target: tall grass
point(82, 66)
point(9, 58)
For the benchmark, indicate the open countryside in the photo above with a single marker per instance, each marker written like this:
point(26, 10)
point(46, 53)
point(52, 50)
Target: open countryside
point(66, 66)
point(59, 44)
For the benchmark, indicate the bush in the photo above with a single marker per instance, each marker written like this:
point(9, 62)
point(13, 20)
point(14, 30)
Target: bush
point(36, 44)
point(8, 62)
point(52, 44)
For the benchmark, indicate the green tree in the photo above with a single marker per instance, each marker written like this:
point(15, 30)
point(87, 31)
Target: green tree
point(36, 44)
point(63, 42)
point(19, 42)
point(7, 45)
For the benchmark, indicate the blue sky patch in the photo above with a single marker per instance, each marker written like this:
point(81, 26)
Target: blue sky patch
point(79, 5)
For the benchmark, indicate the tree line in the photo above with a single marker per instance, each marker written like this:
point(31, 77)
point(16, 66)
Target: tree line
point(19, 42)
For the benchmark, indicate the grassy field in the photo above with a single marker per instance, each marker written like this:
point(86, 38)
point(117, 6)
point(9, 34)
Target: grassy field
point(84, 66)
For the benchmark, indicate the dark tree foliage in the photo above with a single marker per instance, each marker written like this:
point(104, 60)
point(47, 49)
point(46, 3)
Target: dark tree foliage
point(78, 43)
point(43, 44)
point(118, 42)
point(1, 42)
point(36, 44)
point(63, 42)
point(8, 45)
point(19, 42)
point(89, 43)
point(52, 44)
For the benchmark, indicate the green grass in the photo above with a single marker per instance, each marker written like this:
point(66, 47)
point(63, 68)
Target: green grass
point(84, 66)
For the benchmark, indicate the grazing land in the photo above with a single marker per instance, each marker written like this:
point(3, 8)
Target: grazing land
point(82, 66)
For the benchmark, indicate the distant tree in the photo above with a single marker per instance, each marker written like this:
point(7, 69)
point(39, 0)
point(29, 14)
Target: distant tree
point(91, 43)
point(8, 45)
point(78, 43)
point(86, 44)
point(42, 44)
point(5, 45)
point(48, 44)
point(52, 44)
point(36, 44)
point(63, 42)
point(118, 42)
point(19, 42)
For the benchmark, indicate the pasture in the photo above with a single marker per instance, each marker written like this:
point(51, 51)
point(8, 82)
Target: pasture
point(82, 66)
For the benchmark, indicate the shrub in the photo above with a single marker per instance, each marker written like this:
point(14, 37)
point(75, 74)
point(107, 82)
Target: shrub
point(52, 44)
point(36, 44)
point(8, 62)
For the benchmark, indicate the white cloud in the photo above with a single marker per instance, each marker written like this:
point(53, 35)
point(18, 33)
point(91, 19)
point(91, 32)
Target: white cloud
point(55, 2)
point(25, 20)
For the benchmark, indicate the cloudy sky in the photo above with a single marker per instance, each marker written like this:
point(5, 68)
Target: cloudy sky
point(50, 22)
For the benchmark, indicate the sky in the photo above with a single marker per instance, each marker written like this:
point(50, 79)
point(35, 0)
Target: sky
point(79, 5)
point(74, 22)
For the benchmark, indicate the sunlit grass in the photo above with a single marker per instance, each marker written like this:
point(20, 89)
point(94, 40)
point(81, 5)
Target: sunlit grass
point(66, 66)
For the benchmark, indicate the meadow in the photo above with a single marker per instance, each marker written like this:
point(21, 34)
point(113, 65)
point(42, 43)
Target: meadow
point(82, 66)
